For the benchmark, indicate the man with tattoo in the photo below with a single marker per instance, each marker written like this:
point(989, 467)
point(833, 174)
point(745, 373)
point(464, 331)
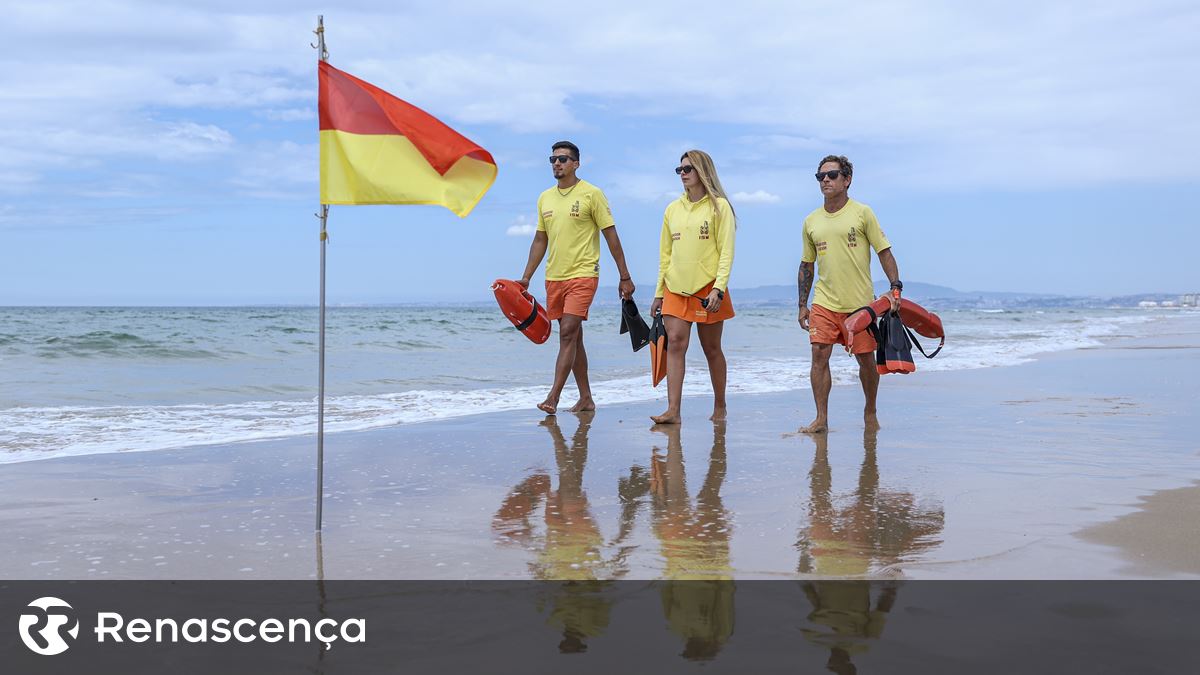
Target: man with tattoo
point(837, 235)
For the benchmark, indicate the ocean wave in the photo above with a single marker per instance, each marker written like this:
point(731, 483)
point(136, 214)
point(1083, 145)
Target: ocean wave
point(401, 345)
point(45, 432)
point(287, 330)
point(113, 344)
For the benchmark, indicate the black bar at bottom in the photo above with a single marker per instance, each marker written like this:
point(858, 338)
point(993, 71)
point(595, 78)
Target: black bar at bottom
point(417, 627)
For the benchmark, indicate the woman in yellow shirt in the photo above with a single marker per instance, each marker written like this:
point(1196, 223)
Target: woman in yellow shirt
point(694, 261)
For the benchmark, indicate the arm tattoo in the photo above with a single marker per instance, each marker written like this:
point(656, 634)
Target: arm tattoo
point(804, 279)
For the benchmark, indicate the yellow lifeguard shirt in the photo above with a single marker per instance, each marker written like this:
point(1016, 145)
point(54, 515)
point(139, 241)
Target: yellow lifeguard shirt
point(838, 243)
point(696, 246)
point(572, 220)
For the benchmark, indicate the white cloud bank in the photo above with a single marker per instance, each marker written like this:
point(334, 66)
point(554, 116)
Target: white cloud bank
point(523, 227)
point(756, 197)
point(975, 93)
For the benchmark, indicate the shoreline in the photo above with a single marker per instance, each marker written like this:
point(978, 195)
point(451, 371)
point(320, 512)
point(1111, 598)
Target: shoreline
point(99, 428)
point(987, 473)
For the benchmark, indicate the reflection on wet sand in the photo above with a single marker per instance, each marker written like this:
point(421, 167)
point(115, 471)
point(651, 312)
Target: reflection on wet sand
point(697, 597)
point(694, 538)
point(871, 528)
point(848, 537)
point(570, 549)
point(571, 545)
point(856, 535)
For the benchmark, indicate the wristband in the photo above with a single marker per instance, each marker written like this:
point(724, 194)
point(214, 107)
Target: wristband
point(898, 285)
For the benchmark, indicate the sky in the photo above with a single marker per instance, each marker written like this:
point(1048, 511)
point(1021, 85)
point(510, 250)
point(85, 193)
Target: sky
point(165, 153)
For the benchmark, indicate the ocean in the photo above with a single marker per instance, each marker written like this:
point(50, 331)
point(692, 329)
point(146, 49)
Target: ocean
point(80, 381)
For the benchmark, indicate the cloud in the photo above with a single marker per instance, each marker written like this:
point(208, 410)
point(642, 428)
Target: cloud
point(288, 114)
point(71, 217)
point(644, 186)
point(190, 138)
point(771, 143)
point(988, 89)
point(283, 170)
point(17, 182)
point(523, 227)
point(756, 197)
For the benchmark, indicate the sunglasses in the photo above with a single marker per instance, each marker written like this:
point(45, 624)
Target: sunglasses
point(687, 168)
point(561, 159)
point(832, 175)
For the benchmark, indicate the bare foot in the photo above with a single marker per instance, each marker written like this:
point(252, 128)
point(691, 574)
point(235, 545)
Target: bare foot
point(817, 426)
point(584, 405)
point(549, 406)
point(719, 413)
point(871, 421)
point(666, 418)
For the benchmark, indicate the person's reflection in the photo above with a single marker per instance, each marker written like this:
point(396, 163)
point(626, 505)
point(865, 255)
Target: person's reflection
point(854, 536)
point(570, 549)
point(697, 596)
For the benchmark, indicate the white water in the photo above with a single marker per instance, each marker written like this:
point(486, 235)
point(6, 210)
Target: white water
point(766, 354)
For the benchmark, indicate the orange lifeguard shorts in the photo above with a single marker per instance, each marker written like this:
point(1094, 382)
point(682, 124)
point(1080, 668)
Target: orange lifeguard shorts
point(570, 296)
point(688, 307)
point(827, 327)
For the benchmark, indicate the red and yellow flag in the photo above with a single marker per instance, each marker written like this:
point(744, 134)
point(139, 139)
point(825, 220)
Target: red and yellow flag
point(377, 149)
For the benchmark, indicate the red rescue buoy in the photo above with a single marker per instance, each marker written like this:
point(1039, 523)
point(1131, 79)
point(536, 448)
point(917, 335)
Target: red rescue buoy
point(916, 317)
point(522, 309)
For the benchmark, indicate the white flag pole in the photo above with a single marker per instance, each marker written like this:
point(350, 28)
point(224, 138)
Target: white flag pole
point(324, 216)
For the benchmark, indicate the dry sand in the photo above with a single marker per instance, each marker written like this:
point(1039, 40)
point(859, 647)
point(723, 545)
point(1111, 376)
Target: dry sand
point(1161, 537)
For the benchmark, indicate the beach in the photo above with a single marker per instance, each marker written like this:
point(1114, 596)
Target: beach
point(1078, 464)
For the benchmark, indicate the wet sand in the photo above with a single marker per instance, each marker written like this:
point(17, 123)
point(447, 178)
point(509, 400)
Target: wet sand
point(985, 474)
point(1161, 537)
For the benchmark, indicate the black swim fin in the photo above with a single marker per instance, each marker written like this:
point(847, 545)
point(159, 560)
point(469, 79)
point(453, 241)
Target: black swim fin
point(632, 323)
point(893, 351)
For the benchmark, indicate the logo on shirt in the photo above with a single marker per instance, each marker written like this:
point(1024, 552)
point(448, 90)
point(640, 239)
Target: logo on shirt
point(821, 247)
point(675, 236)
point(704, 230)
point(575, 209)
point(852, 238)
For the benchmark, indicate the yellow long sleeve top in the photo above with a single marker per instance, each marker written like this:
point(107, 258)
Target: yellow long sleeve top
point(696, 246)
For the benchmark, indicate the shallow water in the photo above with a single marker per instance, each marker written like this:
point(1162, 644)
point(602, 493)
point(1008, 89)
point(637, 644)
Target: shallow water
point(82, 381)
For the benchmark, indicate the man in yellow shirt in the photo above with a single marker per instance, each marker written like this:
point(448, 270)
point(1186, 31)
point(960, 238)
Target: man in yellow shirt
point(836, 237)
point(571, 215)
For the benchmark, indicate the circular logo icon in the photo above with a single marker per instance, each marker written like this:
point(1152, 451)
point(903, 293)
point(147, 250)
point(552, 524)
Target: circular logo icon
point(46, 624)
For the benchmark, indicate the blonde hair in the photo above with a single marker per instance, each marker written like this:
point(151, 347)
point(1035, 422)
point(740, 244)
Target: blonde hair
point(707, 171)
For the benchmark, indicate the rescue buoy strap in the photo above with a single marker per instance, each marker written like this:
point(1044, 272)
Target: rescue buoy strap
point(532, 315)
point(920, 348)
point(870, 311)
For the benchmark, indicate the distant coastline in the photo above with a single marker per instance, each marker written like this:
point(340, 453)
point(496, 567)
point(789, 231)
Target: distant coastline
point(944, 297)
point(933, 295)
